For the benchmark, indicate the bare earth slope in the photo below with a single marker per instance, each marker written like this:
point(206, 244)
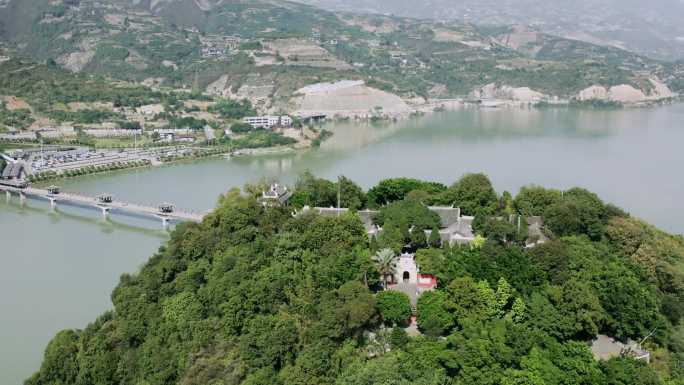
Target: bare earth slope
point(266, 50)
point(654, 28)
point(348, 99)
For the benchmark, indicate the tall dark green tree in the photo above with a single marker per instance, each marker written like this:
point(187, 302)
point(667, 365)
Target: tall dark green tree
point(392, 190)
point(578, 212)
point(435, 240)
point(474, 194)
point(314, 192)
point(394, 307)
point(533, 200)
point(418, 238)
point(398, 338)
point(350, 194)
point(434, 317)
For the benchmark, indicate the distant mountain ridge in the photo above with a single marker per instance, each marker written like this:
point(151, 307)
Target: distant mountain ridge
point(654, 28)
point(266, 50)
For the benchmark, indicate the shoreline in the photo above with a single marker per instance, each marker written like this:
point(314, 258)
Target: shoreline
point(265, 151)
point(453, 104)
point(176, 160)
point(417, 111)
point(149, 165)
point(449, 104)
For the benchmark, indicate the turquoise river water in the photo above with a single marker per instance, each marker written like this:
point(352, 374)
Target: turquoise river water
point(58, 269)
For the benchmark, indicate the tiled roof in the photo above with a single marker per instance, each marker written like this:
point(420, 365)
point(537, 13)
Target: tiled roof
point(447, 215)
point(463, 227)
point(279, 192)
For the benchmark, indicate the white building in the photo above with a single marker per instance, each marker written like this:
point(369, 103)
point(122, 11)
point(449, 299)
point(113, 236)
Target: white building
point(406, 270)
point(113, 133)
point(276, 193)
point(285, 121)
point(172, 131)
point(19, 136)
point(268, 121)
point(57, 132)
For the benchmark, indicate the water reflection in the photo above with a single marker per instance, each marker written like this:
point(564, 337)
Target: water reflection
point(59, 268)
point(473, 124)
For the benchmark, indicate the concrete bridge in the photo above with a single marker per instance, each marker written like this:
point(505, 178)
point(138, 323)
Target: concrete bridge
point(165, 212)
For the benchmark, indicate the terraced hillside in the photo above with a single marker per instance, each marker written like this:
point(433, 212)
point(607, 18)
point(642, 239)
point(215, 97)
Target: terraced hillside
point(652, 28)
point(266, 50)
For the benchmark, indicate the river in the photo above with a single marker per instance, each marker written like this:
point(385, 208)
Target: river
point(58, 269)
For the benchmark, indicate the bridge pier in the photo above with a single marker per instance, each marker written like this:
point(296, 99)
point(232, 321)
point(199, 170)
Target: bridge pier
point(165, 212)
point(165, 223)
point(105, 211)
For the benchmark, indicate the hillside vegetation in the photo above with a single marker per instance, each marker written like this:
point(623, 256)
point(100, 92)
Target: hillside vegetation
point(253, 295)
point(269, 49)
point(653, 28)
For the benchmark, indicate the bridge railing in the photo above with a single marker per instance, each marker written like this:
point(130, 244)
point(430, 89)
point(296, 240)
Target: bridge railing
point(130, 206)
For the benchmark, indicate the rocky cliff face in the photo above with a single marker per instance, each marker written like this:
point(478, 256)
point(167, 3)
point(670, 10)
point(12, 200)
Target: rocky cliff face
point(504, 92)
point(622, 93)
point(627, 94)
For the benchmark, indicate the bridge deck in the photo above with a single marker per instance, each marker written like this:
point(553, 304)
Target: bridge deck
point(178, 215)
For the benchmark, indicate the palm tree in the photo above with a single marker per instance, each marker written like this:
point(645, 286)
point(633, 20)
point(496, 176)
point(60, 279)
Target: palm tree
point(386, 262)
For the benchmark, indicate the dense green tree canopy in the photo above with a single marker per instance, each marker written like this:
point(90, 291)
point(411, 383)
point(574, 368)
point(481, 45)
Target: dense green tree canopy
point(431, 261)
point(257, 295)
point(409, 212)
point(434, 239)
point(233, 109)
point(533, 200)
point(626, 371)
point(392, 190)
point(434, 316)
point(578, 212)
point(394, 306)
point(474, 194)
point(404, 223)
point(504, 230)
point(241, 127)
point(316, 192)
point(351, 194)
